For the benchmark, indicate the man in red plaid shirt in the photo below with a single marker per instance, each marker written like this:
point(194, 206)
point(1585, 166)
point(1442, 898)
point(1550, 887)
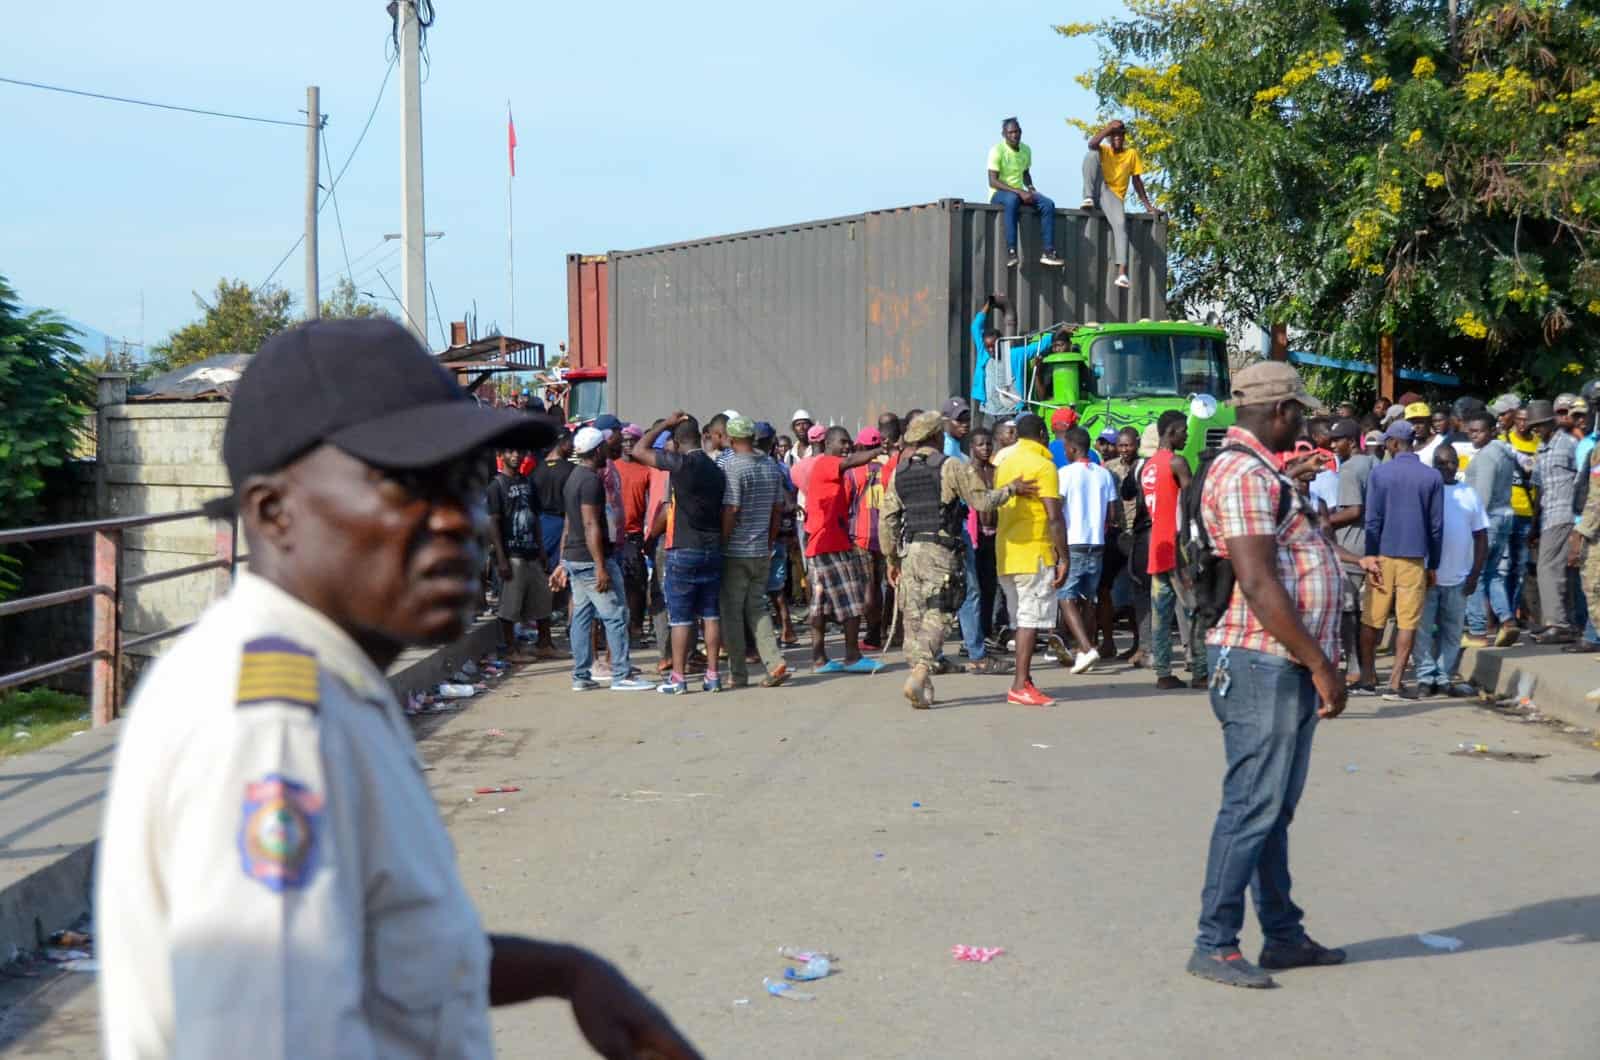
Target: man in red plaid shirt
point(1273, 655)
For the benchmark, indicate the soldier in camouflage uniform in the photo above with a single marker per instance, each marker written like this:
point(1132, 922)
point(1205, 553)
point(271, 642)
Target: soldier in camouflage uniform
point(920, 525)
point(1584, 551)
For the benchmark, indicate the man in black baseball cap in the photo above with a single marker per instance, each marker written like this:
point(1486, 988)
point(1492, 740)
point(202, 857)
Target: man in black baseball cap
point(304, 839)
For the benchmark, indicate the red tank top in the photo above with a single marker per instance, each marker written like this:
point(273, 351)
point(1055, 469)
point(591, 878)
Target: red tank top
point(1160, 487)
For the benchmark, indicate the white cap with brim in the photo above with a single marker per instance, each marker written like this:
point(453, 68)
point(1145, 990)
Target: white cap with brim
point(587, 439)
point(801, 414)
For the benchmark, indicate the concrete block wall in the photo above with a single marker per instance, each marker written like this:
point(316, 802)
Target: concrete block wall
point(151, 457)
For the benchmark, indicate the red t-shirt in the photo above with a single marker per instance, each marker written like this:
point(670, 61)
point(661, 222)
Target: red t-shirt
point(635, 494)
point(827, 507)
point(1160, 488)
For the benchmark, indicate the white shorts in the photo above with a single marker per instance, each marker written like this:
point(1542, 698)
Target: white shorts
point(1031, 598)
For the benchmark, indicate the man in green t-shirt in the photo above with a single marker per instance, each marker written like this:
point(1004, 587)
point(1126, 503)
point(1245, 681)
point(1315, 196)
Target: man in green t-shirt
point(1011, 185)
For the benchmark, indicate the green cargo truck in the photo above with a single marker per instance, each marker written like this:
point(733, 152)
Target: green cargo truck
point(1127, 375)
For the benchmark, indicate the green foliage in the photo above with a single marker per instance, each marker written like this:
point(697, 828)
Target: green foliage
point(344, 302)
point(238, 319)
point(1355, 168)
point(45, 394)
point(45, 715)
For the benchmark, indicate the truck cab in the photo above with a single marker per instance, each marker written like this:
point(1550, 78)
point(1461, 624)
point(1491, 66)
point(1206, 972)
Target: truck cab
point(1127, 375)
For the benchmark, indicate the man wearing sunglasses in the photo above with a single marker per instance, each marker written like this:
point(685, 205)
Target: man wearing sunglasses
point(274, 878)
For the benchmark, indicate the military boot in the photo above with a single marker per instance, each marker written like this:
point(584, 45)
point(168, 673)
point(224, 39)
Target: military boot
point(919, 687)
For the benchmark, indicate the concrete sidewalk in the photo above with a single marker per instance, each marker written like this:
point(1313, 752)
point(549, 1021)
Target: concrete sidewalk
point(51, 805)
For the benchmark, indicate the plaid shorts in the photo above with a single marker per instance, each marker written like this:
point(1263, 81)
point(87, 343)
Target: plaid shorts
point(838, 584)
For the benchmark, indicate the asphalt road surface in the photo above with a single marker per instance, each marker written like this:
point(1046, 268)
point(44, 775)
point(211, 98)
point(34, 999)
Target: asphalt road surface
point(687, 838)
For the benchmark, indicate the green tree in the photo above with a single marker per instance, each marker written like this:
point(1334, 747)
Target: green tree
point(1423, 168)
point(238, 319)
point(344, 301)
point(46, 394)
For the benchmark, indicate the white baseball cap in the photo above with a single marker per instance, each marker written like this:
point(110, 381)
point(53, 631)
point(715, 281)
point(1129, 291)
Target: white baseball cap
point(732, 414)
point(800, 414)
point(587, 439)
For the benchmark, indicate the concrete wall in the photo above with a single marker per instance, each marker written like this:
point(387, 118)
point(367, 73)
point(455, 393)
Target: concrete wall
point(151, 457)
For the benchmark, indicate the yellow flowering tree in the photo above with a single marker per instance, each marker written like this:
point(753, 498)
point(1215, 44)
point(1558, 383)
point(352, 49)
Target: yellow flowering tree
point(1353, 169)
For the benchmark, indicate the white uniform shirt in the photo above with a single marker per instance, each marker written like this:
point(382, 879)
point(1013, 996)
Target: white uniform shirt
point(273, 878)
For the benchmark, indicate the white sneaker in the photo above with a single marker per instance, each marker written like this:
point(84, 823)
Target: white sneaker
point(1086, 204)
point(1085, 659)
point(1123, 282)
point(1051, 260)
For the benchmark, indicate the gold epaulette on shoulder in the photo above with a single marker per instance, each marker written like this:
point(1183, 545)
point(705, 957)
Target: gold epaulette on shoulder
point(277, 670)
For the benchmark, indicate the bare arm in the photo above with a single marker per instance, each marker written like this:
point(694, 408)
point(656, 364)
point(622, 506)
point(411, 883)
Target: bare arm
point(1111, 127)
point(1058, 536)
point(1349, 514)
point(644, 450)
point(730, 518)
point(1255, 566)
point(1144, 196)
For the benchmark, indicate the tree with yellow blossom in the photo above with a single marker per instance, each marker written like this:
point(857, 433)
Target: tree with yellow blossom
point(1425, 169)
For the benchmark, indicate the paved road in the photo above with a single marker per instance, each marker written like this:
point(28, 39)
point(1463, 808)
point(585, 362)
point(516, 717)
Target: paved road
point(689, 837)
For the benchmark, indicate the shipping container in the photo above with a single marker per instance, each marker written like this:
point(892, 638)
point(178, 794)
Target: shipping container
point(854, 315)
point(588, 316)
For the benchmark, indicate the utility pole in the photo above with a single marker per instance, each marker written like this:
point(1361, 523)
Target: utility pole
point(313, 171)
point(413, 253)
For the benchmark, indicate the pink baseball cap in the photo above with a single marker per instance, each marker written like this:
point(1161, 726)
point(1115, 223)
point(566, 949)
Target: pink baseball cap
point(817, 433)
point(869, 436)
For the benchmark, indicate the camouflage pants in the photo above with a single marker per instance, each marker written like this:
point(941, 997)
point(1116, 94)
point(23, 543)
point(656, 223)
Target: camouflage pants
point(1591, 576)
point(932, 584)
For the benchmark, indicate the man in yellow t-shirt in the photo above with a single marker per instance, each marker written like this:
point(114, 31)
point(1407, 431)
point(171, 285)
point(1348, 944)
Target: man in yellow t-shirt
point(1011, 187)
point(1030, 550)
point(1108, 168)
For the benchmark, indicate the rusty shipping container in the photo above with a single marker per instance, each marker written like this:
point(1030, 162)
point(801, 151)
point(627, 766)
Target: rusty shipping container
point(588, 315)
point(855, 315)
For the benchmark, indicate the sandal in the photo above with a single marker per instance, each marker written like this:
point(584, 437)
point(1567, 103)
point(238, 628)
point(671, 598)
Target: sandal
point(990, 665)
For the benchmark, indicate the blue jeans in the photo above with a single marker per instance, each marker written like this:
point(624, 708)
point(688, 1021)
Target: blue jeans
point(969, 616)
point(1012, 203)
point(588, 603)
point(1491, 594)
point(1438, 646)
point(1514, 561)
point(1269, 715)
point(1164, 604)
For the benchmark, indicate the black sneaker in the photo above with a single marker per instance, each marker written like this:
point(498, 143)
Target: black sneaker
point(1230, 969)
point(1403, 694)
point(1308, 954)
point(1011, 258)
point(1361, 688)
point(1427, 691)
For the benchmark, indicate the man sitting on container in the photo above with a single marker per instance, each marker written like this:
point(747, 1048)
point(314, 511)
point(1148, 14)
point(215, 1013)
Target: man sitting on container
point(1011, 186)
point(1108, 168)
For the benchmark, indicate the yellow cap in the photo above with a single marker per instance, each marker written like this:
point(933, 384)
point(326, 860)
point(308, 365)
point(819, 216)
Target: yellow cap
point(1418, 410)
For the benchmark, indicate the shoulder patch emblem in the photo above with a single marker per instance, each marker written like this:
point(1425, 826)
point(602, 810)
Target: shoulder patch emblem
point(278, 832)
point(277, 670)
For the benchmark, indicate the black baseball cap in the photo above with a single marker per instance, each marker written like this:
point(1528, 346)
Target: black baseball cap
point(1346, 428)
point(367, 387)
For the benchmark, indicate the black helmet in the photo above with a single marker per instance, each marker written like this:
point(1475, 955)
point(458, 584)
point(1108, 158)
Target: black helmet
point(1591, 391)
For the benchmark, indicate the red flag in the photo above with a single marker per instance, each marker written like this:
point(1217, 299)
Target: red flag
point(511, 141)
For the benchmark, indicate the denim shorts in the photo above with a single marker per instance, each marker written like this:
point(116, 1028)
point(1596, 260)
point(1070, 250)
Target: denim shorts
point(1083, 573)
point(778, 573)
point(693, 585)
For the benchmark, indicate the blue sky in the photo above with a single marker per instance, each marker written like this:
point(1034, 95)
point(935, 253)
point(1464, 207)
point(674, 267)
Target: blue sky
point(638, 124)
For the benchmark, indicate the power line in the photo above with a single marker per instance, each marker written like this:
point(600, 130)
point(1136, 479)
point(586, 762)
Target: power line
point(348, 159)
point(337, 215)
point(149, 103)
point(396, 297)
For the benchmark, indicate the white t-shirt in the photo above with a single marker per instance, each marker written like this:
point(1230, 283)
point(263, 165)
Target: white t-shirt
point(1086, 491)
point(1425, 454)
point(1463, 515)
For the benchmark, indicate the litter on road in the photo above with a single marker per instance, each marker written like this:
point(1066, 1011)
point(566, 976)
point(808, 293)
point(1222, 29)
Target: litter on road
point(1441, 942)
point(1478, 750)
point(979, 954)
point(785, 990)
point(504, 789)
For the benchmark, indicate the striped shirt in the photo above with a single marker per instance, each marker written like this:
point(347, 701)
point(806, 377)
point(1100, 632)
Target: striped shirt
point(1241, 500)
point(752, 485)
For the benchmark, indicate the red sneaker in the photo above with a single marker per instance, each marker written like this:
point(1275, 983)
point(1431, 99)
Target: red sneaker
point(1029, 697)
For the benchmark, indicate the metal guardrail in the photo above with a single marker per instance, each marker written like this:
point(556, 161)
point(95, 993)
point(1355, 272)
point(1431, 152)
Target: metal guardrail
point(107, 593)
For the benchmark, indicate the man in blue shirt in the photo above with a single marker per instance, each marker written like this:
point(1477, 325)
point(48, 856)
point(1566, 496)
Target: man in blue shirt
point(1404, 517)
point(989, 370)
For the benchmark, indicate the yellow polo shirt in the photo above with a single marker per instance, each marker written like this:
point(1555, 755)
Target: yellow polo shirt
point(1023, 542)
point(1528, 446)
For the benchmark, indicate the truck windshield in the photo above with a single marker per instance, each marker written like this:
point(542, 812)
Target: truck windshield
point(1158, 365)
point(588, 399)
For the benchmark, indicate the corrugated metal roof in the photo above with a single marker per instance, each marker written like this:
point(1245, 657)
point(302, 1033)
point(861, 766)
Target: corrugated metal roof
point(212, 379)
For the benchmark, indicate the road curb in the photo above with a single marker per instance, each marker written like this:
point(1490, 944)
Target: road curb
point(1557, 684)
